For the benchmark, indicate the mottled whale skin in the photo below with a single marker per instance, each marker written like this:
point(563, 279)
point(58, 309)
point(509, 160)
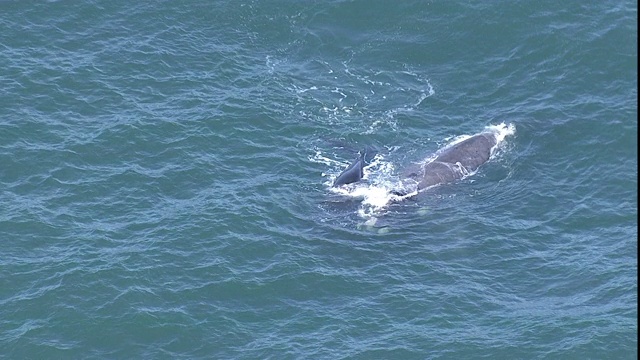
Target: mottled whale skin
point(450, 164)
point(453, 162)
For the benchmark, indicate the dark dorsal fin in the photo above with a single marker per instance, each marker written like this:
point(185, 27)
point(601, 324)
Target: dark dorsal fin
point(353, 173)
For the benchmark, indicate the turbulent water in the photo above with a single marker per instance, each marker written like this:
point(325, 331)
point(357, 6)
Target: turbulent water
point(166, 170)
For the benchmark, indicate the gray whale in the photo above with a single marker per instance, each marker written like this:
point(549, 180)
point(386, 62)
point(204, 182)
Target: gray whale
point(454, 162)
point(450, 163)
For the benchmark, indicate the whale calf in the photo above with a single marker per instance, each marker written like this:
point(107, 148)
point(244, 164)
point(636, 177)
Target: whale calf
point(351, 174)
point(449, 164)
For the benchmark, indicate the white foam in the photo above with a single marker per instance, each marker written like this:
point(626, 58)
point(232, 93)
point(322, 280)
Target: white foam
point(501, 131)
point(319, 158)
point(377, 190)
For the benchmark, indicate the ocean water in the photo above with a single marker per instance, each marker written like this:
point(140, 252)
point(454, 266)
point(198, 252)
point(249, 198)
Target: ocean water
point(166, 169)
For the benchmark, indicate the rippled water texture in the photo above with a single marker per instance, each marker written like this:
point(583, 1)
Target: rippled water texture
point(165, 171)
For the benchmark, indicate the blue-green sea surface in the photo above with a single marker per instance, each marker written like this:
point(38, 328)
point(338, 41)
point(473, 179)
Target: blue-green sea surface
point(166, 171)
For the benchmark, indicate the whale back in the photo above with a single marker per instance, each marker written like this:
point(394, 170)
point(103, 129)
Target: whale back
point(470, 153)
point(454, 162)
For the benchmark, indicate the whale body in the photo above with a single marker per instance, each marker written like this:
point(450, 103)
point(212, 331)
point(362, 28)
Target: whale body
point(454, 162)
point(449, 164)
point(351, 174)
